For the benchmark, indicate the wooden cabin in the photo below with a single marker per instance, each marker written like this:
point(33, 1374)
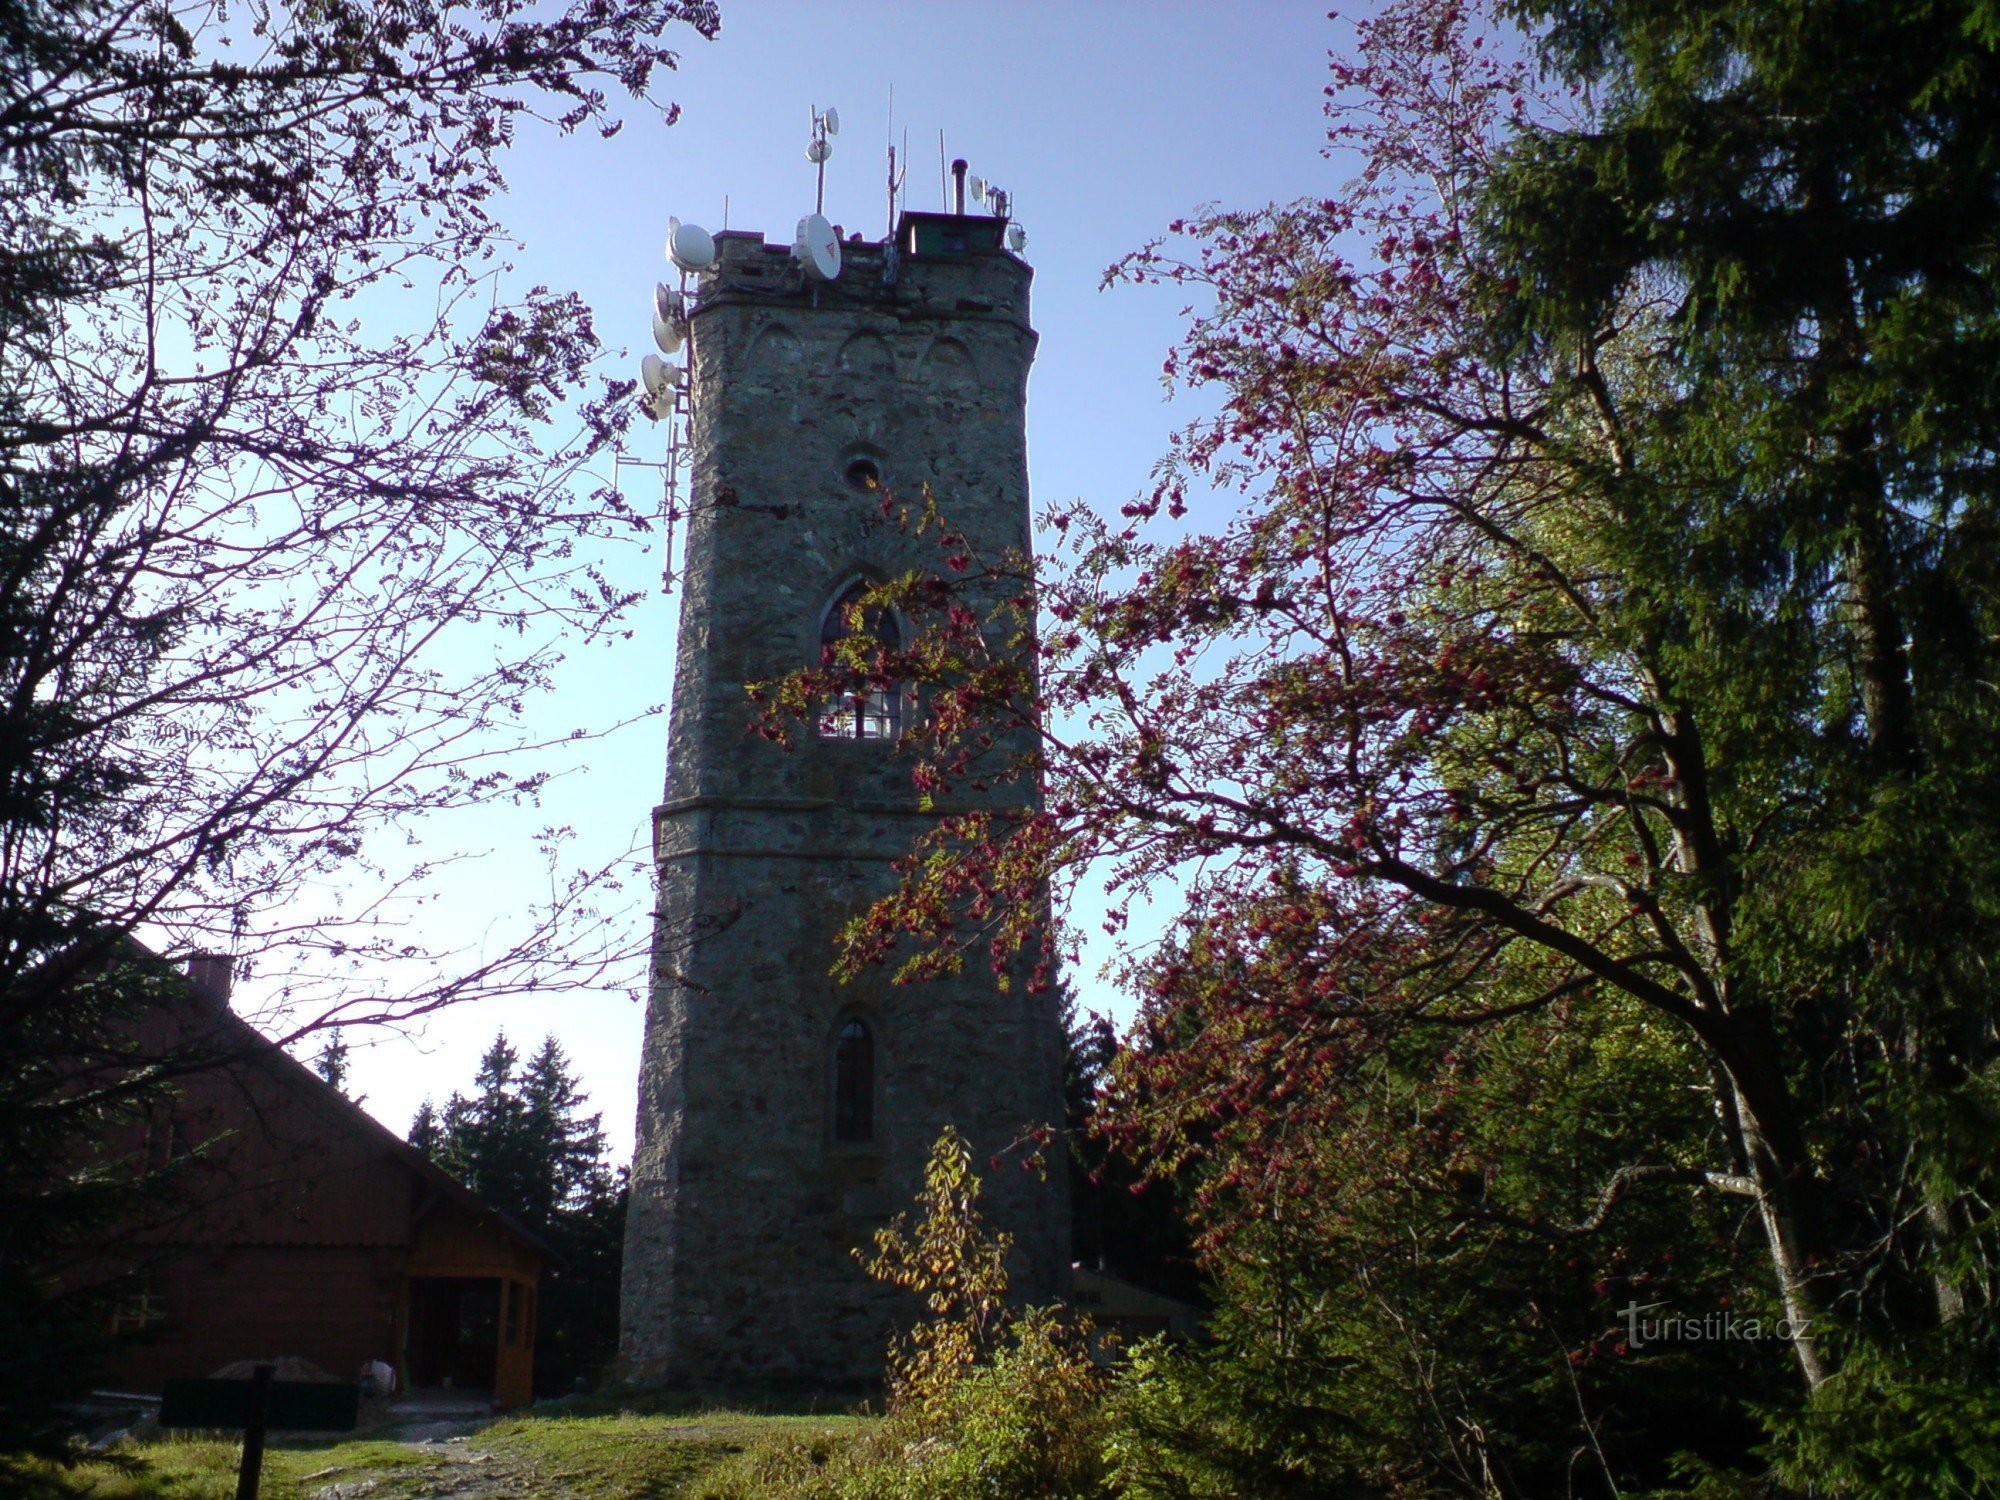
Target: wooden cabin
point(296, 1225)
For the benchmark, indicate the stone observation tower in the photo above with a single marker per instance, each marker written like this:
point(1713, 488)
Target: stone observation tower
point(783, 1118)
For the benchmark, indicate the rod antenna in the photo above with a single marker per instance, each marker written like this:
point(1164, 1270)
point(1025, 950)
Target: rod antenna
point(825, 124)
point(895, 176)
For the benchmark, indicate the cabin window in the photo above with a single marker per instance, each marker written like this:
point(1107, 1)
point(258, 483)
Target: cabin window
point(854, 1082)
point(872, 713)
point(140, 1306)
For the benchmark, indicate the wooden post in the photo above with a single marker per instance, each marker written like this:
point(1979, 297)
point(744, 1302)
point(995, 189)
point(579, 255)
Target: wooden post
point(253, 1432)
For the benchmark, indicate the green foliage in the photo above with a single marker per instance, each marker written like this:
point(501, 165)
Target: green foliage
point(1213, 1425)
point(984, 1401)
point(523, 1143)
point(1807, 510)
point(331, 1061)
point(1433, 1298)
point(1027, 1424)
point(955, 1263)
point(520, 1139)
point(1882, 1430)
point(531, 1456)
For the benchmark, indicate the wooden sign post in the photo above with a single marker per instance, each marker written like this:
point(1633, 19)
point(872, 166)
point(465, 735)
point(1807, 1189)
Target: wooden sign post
point(255, 1420)
point(255, 1406)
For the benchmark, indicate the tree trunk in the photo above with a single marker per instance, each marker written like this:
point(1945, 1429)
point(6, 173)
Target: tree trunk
point(1785, 1208)
point(1787, 1187)
point(1881, 647)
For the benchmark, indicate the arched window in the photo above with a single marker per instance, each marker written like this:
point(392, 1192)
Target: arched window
point(873, 713)
point(854, 1082)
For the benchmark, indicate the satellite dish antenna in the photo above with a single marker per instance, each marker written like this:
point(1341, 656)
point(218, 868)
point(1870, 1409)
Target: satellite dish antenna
point(669, 318)
point(817, 150)
point(817, 248)
point(977, 187)
point(661, 406)
point(689, 246)
point(832, 121)
point(1017, 238)
point(653, 370)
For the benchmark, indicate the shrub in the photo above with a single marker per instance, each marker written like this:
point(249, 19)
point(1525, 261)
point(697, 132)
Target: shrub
point(985, 1401)
point(1879, 1431)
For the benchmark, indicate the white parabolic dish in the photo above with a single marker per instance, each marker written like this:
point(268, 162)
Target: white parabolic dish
point(690, 247)
point(817, 247)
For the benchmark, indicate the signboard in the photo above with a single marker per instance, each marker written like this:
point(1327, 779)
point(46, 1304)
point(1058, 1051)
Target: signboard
point(294, 1405)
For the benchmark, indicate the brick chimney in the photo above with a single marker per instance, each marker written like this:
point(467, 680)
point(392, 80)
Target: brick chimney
point(211, 973)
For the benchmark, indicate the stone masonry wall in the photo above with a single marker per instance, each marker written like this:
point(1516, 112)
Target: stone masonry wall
point(745, 1212)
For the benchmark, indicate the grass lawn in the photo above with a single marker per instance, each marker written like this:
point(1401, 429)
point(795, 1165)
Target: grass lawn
point(529, 1456)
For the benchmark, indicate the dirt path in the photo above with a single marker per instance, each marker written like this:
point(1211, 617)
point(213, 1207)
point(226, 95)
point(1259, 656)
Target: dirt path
point(446, 1466)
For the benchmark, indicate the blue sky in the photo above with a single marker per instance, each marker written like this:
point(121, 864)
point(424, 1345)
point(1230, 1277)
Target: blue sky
point(1105, 120)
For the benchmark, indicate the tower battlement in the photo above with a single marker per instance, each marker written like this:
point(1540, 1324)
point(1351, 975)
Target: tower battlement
point(935, 264)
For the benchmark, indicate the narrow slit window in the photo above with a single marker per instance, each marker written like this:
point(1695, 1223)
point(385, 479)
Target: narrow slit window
point(854, 1083)
point(875, 711)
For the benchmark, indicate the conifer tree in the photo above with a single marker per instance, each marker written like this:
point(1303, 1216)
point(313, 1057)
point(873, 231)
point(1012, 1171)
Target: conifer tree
point(1807, 196)
point(331, 1062)
point(522, 1142)
point(426, 1130)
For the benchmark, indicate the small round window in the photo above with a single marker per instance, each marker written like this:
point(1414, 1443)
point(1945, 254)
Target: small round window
point(864, 474)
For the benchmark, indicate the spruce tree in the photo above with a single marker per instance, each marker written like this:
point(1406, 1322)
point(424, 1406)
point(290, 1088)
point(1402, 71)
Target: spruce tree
point(331, 1063)
point(426, 1131)
point(522, 1142)
point(1805, 198)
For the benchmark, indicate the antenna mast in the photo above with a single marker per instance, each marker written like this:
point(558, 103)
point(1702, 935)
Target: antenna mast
point(895, 177)
point(825, 123)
